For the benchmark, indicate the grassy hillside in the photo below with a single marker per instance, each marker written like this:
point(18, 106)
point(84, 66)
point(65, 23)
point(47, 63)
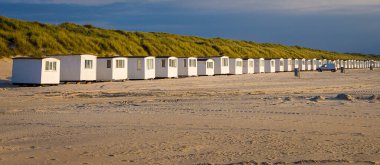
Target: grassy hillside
point(37, 39)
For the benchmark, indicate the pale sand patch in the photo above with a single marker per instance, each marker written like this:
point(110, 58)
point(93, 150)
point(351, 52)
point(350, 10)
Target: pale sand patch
point(5, 68)
point(221, 119)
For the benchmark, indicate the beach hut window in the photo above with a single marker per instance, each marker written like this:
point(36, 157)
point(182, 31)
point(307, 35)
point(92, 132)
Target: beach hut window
point(238, 63)
point(163, 63)
point(139, 64)
point(150, 64)
point(296, 62)
point(120, 64)
point(272, 63)
point(210, 65)
point(303, 62)
point(88, 64)
point(184, 62)
point(172, 63)
point(225, 61)
point(50, 66)
point(290, 62)
point(281, 63)
point(250, 63)
point(192, 63)
point(109, 63)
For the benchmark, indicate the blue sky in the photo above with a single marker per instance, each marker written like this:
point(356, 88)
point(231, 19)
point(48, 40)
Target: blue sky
point(335, 25)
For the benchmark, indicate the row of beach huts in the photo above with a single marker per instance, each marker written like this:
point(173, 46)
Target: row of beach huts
point(87, 68)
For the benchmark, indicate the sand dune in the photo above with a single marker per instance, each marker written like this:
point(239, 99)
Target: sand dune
point(244, 119)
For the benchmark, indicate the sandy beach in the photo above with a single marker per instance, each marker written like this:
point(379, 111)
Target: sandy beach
point(241, 119)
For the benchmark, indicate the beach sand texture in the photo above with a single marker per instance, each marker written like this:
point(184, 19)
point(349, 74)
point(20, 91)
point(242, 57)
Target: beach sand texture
point(242, 119)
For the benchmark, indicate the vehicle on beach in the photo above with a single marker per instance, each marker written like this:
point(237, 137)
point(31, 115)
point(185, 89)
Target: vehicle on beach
point(327, 67)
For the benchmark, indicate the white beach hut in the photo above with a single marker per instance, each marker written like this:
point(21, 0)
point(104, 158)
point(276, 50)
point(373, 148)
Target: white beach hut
point(236, 66)
point(270, 66)
point(295, 64)
point(302, 64)
point(166, 67)
point(279, 64)
point(259, 65)
point(349, 64)
point(141, 67)
point(308, 65)
point(77, 68)
point(187, 67)
point(35, 71)
point(361, 64)
point(341, 63)
point(314, 64)
point(337, 63)
point(354, 64)
point(346, 64)
point(111, 68)
point(288, 65)
point(221, 65)
point(205, 67)
point(248, 66)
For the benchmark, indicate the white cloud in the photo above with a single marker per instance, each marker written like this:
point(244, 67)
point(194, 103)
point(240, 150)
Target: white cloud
point(292, 6)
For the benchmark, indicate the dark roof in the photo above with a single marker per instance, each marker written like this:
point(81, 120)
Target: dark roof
point(186, 57)
point(31, 58)
point(164, 56)
point(138, 56)
point(246, 58)
point(204, 59)
point(114, 57)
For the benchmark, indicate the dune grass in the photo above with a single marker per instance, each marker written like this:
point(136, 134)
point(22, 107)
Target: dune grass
point(37, 39)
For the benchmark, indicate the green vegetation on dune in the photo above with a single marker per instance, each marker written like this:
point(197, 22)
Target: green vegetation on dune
point(37, 39)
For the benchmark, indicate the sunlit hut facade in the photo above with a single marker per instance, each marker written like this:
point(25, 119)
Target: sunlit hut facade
point(35, 71)
point(187, 67)
point(295, 64)
point(341, 63)
point(141, 67)
point(308, 65)
point(259, 65)
point(270, 66)
point(77, 68)
point(302, 64)
point(350, 64)
point(337, 63)
point(205, 66)
point(248, 66)
point(355, 64)
point(221, 65)
point(236, 66)
point(361, 64)
point(111, 68)
point(166, 67)
point(288, 64)
point(279, 64)
point(314, 64)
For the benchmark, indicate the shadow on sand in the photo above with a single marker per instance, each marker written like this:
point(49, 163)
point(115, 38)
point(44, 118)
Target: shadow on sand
point(7, 83)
